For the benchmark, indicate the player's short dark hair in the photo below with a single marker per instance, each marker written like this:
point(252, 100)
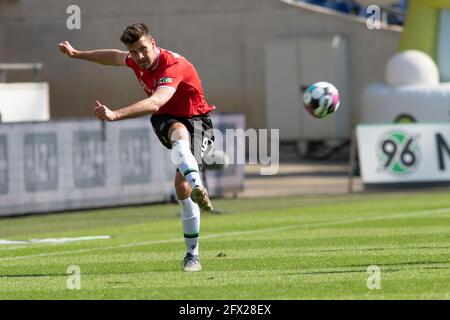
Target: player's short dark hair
point(134, 32)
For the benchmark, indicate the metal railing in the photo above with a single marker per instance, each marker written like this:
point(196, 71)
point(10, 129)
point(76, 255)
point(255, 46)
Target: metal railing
point(36, 68)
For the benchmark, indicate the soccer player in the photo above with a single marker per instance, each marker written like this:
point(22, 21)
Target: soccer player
point(176, 104)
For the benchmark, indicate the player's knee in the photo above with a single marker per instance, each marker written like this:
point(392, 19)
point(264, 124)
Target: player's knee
point(180, 181)
point(178, 131)
point(182, 189)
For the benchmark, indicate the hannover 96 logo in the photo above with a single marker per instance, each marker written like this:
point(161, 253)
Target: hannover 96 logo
point(398, 152)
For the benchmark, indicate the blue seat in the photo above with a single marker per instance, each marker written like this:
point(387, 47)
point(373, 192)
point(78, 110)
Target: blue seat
point(339, 5)
point(316, 2)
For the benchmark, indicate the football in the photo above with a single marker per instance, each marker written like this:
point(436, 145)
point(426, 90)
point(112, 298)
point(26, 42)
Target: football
point(321, 99)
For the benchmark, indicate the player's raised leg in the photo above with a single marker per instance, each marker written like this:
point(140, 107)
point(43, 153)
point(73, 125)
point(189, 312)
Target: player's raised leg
point(187, 164)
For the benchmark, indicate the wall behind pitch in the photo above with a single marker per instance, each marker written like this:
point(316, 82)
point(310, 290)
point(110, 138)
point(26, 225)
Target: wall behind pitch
point(67, 165)
point(224, 39)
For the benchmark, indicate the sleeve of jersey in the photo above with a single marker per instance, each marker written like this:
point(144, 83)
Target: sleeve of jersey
point(170, 77)
point(128, 61)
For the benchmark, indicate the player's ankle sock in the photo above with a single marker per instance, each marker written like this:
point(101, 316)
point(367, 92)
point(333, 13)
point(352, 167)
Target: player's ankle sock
point(190, 217)
point(186, 163)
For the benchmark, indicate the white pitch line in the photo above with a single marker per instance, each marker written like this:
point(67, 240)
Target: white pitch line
point(237, 233)
point(52, 240)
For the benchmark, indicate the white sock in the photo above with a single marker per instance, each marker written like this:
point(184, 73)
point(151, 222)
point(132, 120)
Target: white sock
point(190, 217)
point(186, 163)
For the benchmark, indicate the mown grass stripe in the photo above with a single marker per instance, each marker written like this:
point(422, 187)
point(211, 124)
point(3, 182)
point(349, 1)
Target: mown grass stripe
point(237, 233)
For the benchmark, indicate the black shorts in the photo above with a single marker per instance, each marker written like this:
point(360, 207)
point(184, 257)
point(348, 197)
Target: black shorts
point(201, 141)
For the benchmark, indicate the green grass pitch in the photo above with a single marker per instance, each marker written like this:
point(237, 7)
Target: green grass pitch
point(315, 247)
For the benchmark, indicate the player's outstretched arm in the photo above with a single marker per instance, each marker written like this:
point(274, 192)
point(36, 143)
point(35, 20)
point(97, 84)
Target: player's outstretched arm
point(110, 57)
point(139, 109)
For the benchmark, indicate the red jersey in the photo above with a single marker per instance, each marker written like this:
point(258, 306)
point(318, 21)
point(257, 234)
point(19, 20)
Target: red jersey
point(175, 71)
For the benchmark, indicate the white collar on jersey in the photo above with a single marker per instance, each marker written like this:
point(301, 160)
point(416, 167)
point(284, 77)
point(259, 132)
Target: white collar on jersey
point(157, 59)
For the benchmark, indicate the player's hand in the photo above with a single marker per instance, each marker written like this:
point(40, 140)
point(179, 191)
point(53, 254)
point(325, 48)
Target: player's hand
point(67, 49)
point(103, 113)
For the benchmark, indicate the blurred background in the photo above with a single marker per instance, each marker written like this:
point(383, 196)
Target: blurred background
point(387, 58)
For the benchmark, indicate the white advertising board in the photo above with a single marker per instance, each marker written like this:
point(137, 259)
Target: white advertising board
point(24, 102)
point(398, 153)
point(78, 164)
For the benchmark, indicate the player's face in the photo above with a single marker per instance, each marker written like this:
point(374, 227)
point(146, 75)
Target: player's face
point(143, 52)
